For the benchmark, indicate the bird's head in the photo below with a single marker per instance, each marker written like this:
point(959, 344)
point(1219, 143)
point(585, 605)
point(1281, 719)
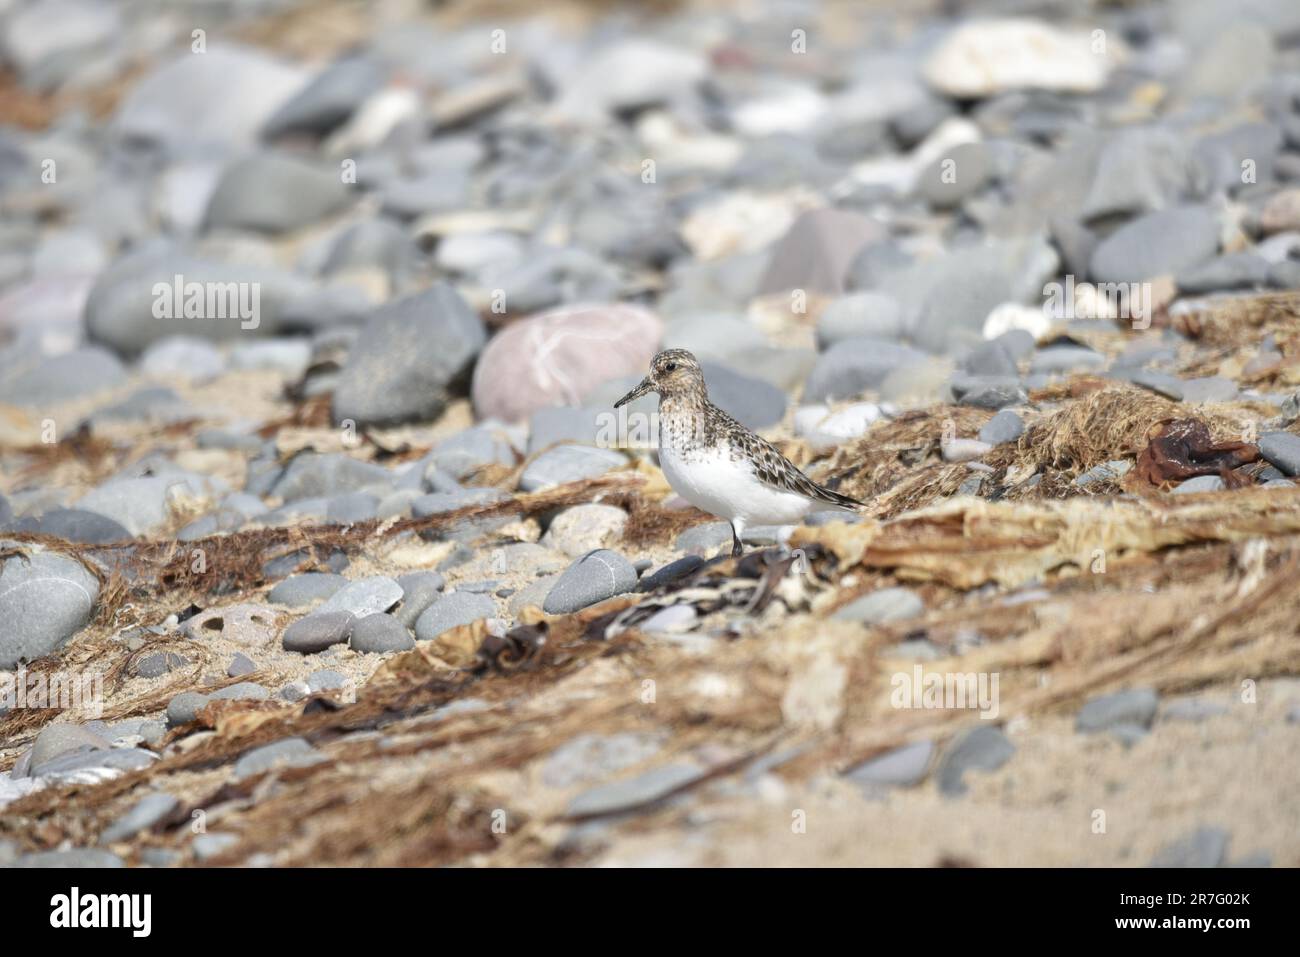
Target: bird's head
point(672, 372)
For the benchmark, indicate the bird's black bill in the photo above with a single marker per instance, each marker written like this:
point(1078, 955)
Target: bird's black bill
point(645, 386)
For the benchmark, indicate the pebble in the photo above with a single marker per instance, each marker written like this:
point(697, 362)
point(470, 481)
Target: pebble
point(294, 752)
point(984, 748)
point(583, 528)
point(419, 590)
point(244, 624)
point(590, 757)
point(1200, 483)
point(274, 192)
point(60, 740)
point(704, 539)
point(1192, 709)
point(569, 463)
point(854, 366)
point(1135, 707)
point(241, 665)
point(403, 363)
point(298, 591)
point(644, 789)
point(185, 707)
point(451, 611)
point(51, 594)
point(881, 607)
point(380, 634)
point(904, 767)
point(1006, 426)
point(158, 664)
point(367, 596)
point(986, 57)
point(143, 815)
point(208, 846)
point(547, 359)
point(318, 631)
point(590, 579)
point(77, 857)
point(1281, 449)
point(1157, 244)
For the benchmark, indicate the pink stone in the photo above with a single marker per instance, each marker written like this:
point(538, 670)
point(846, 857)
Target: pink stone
point(557, 357)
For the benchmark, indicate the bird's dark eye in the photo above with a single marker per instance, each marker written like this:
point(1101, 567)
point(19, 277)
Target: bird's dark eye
point(670, 366)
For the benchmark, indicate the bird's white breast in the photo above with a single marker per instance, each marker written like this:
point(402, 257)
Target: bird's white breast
point(725, 485)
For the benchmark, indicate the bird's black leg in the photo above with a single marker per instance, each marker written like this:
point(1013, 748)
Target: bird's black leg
point(736, 547)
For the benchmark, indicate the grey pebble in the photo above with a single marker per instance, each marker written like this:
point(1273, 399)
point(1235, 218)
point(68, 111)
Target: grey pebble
point(905, 766)
point(318, 631)
point(451, 611)
point(1133, 707)
point(880, 607)
point(295, 751)
point(594, 577)
point(143, 815)
point(983, 749)
point(380, 634)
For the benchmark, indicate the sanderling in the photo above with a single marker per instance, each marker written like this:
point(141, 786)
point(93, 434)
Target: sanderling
point(717, 464)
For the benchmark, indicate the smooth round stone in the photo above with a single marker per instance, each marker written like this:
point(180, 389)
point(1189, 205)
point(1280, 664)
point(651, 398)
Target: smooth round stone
point(51, 380)
point(318, 631)
point(901, 767)
point(674, 618)
point(380, 634)
point(987, 57)
point(592, 578)
point(1135, 707)
point(241, 665)
point(419, 591)
point(569, 463)
point(704, 539)
point(881, 607)
point(298, 591)
point(452, 611)
point(981, 749)
point(409, 353)
point(1200, 483)
point(853, 366)
point(244, 691)
point(326, 679)
point(186, 358)
point(274, 192)
point(312, 475)
point(143, 815)
point(59, 740)
point(290, 751)
point(51, 595)
point(366, 596)
point(74, 525)
point(470, 451)
point(551, 358)
point(185, 707)
point(78, 857)
point(1006, 426)
point(870, 315)
point(158, 664)
point(584, 528)
point(1281, 449)
point(1157, 244)
point(351, 507)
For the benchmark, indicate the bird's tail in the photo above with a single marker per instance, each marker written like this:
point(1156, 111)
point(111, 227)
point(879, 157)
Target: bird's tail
point(834, 498)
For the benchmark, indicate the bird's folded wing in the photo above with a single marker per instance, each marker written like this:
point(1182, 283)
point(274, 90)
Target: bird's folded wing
point(774, 469)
